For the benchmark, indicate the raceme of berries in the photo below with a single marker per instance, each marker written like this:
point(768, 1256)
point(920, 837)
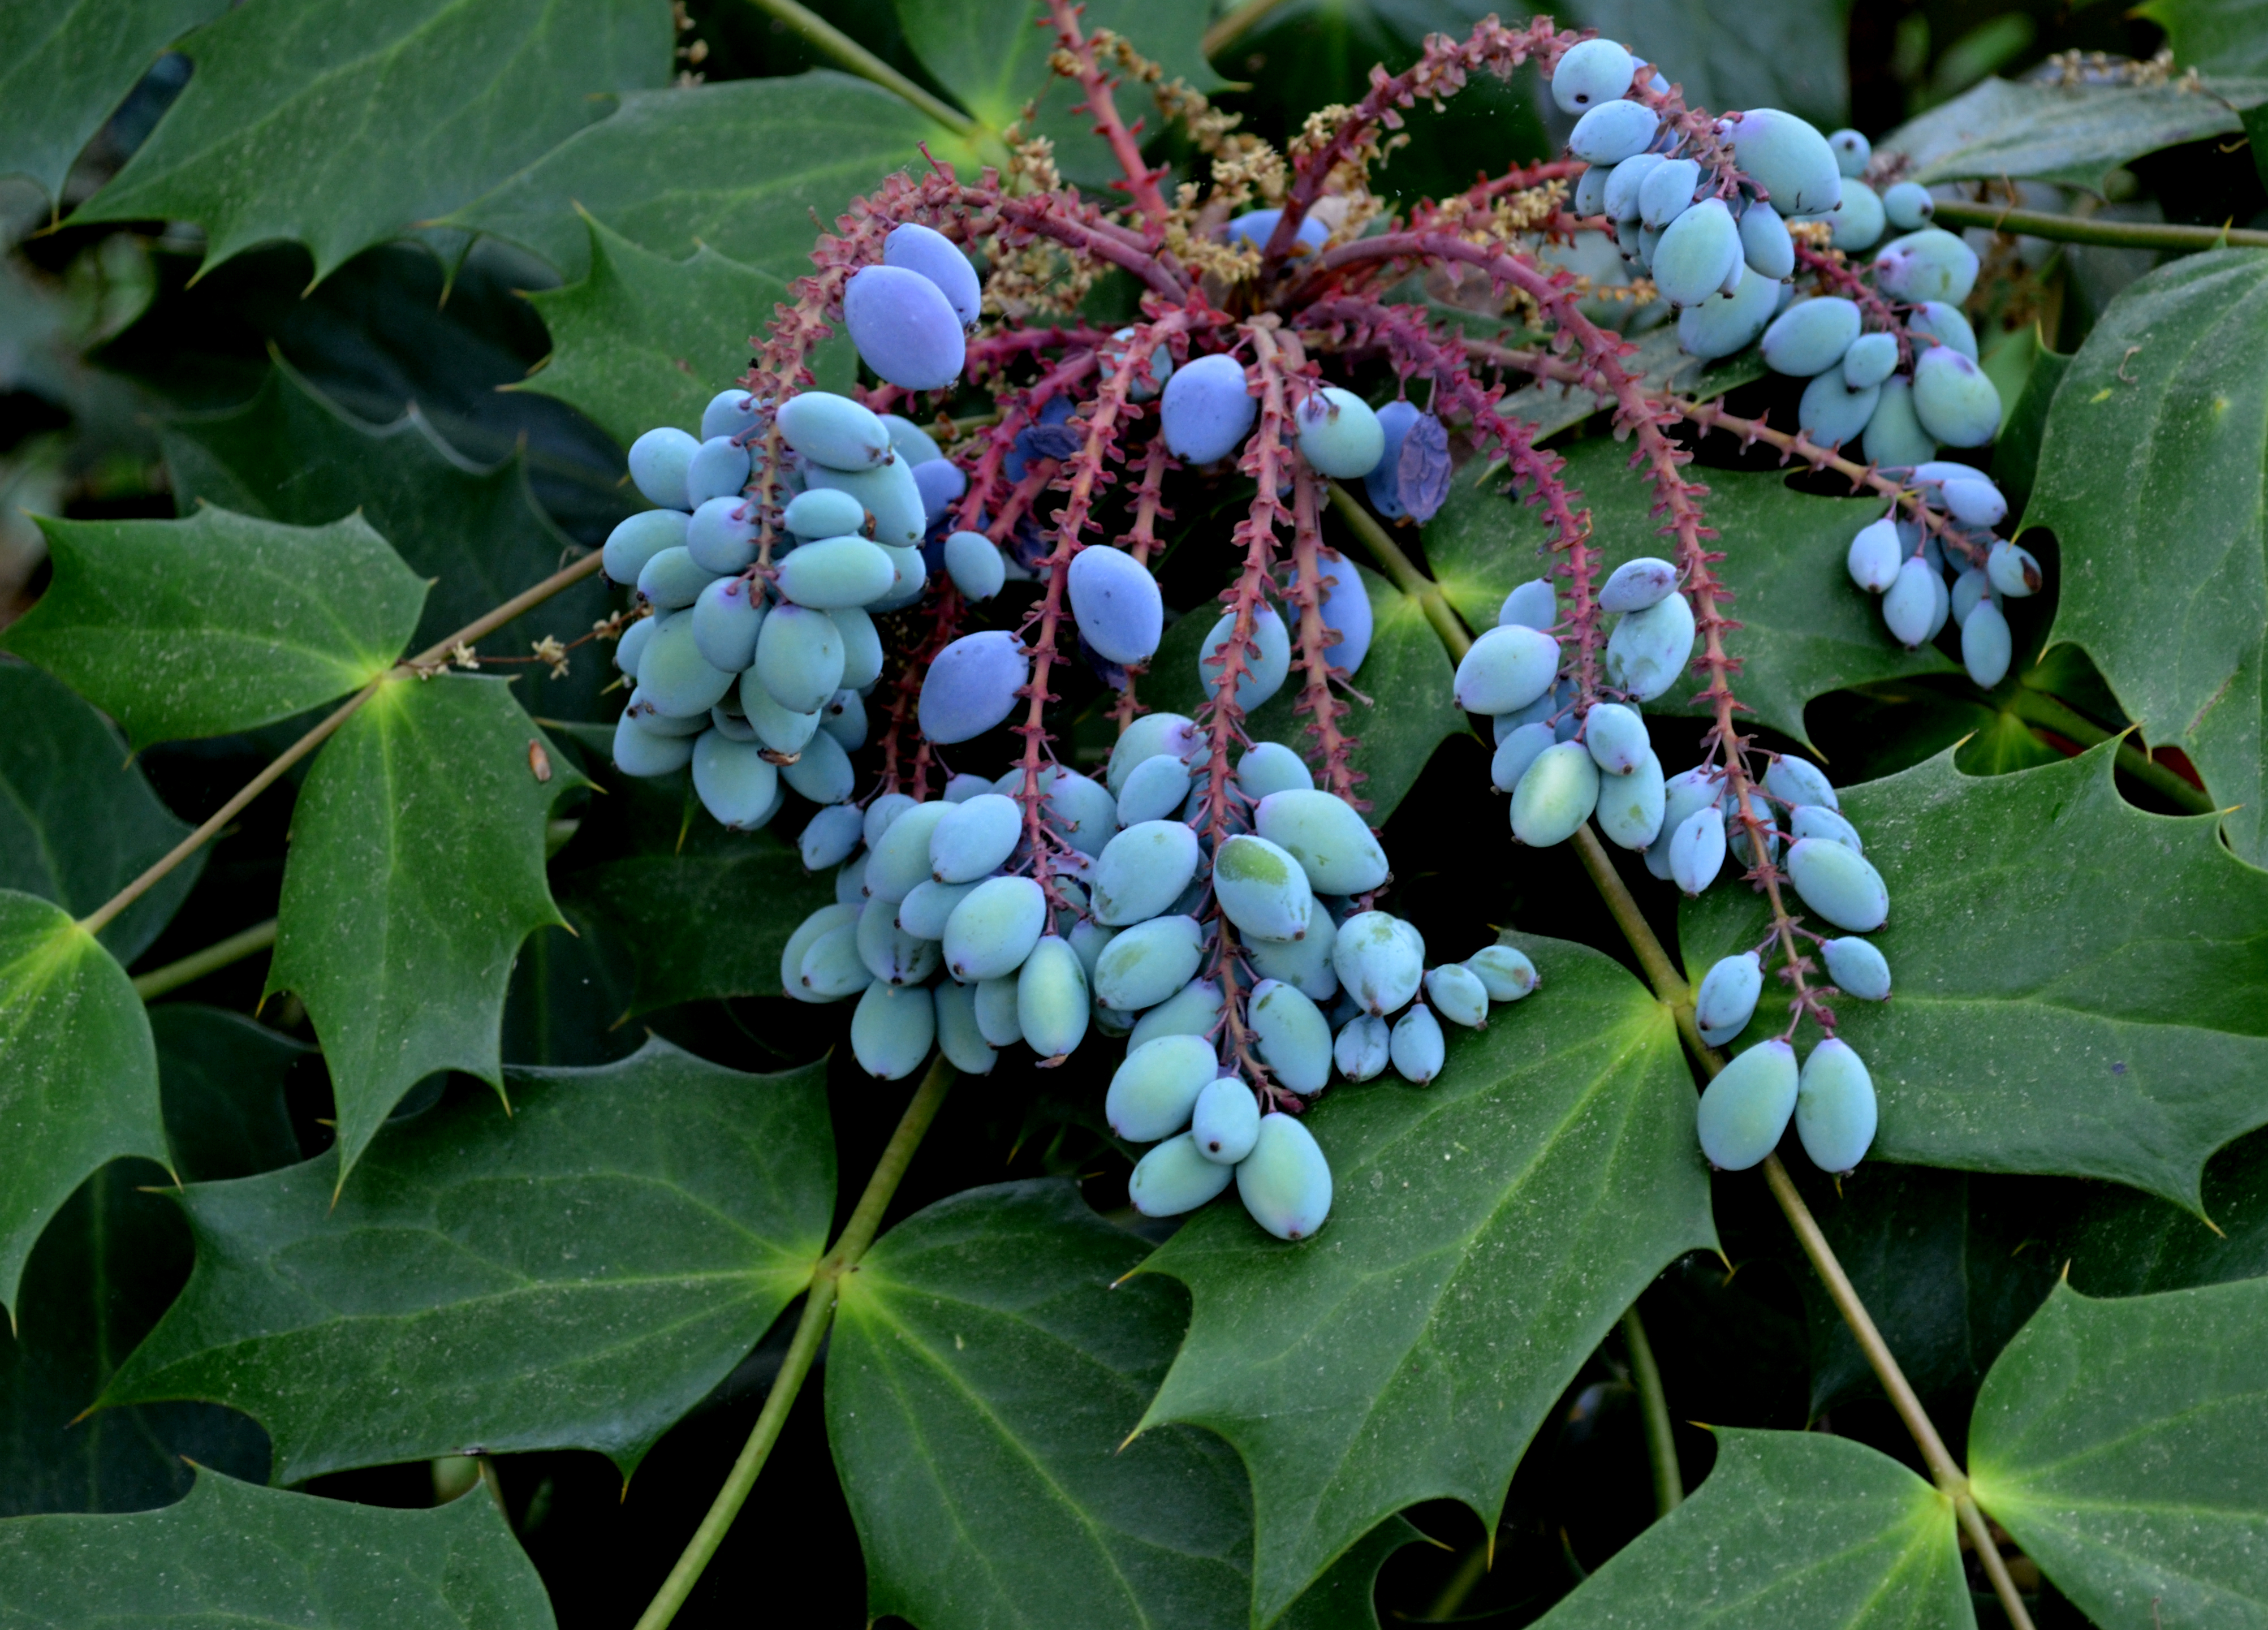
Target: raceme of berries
point(816, 570)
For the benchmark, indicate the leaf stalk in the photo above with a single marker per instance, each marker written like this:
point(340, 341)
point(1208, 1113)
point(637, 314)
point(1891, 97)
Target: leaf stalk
point(193, 967)
point(860, 61)
point(2115, 235)
point(1660, 1440)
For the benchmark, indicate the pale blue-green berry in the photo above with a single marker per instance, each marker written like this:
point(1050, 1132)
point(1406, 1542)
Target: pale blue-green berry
point(862, 648)
point(1592, 72)
point(1799, 781)
point(1839, 883)
point(1874, 556)
point(1325, 834)
point(1624, 181)
point(1744, 1111)
point(1591, 190)
point(908, 575)
point(890, 951)
point(1835, 1110)
point(722, 535)
point(1954, 399)
point(731, 413)
point(1637, 584)
point(1666, 191)
point(1458, 994)
point(1872, 358)
point(889, 493)
point(1831, 413)
point(1264, 668)
point(800, 658)
point(1726, 323)
point(1157, 787)
point(1285, 1183)
point(974, 839)
point(2014, 571)
point(1931, 264)
point(823, 512)
point(958, 1036)
point(993, 930)
point(1894, 436)
point(1682, 794)
point(1851, 152)
point(1940, 599)
point(1148, 963)
point(734, 727)
point(1726, 1000)
point(971, 686)
point(639, 751)
point(1699, 252)
point(1416, 1046)
point(1615, 736)
point(1170, 735)
point(908, 441)
point(632, 645)
point(672, 579)
point(1857, 222)
point(828, 837)
point(734, 782)
point(1304, 963)
point(1555, 796)
point(1293, 1037)
point(1648, 650)
point(1339, 435)
point(924, 912)
point(835, 573)
point(1508, 666)
point(718, 470)
point(1945, 324)
point(1908, 206)
point(832, 967)
point(892, 1029)
point(1504, 971)
point(996, 1011)
point(1987, 646)
point(1226, 1122)
point(641, 708)
point(1632, 804)
point(1608, 134)
point(883, 814)
point(1206, 408)
point(1083, 810)
point(1174, 1177)
point(1261, 889)
point(833, 431)
point(1377, 965)
point(1052, 1006)
point(1087, 937)
point(674, 679)
point(1858, 969)
point(1812, 335)
point(1788, 158)
point(1193, 1010)
point(726, 619)
point(1516, 752)
point(1697, 849)
point(1533, 604)
point(976, 565)
point(1364, 1048)
point(1142, 870)
point(1968, 589)
point(807, 933)
point(1115, 602)
point(1766, 244)
point(1153, 1092)
point(850, 881)
point(961, 788)
point(901, 857)
point(1976, 502)
point(1272, 767)
point(1912, 604)
point(659, 460)
point(1819, 821)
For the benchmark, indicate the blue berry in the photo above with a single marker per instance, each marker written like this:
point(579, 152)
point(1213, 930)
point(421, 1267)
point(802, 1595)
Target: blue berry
point(1745, 1109)
point(904, 326)
point(1835, 1109)
point(971, 686)
point(1285, 1183)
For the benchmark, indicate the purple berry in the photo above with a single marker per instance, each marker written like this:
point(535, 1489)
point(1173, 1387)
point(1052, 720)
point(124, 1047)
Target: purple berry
point(1117, 602)
point(972, 686)
point(905, 328)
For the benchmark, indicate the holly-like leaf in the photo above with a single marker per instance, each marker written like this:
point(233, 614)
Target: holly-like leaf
point(1487, 1232)
point(63, 67)
point(2152, 475)
point(738, 166)
point(2214, 36)
point(78, 819)
point(1792, 1528)
point(221, 1076)
point(2120, 1443)
point(234, 1554)
point(1728, 54)
point(214, 624)
point(1806, 629)
point(2071, 134)
point(342, 124)
point(579, 1272)
point(2076, 982)
point(2128, 1244)
point(78, 1073)
point(1407, 678)
point(290, 456)
point(416, 870)
point(645, 340)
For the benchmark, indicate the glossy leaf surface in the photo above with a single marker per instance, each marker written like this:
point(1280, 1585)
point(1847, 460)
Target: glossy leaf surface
point(63, 67)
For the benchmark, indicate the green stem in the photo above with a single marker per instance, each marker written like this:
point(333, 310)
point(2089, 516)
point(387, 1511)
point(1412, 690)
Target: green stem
point(810, 1331)
point(1660, 1441)
point(1404, 572)
point(197, 965)
point(2037, 707)
point(1236, 25)
point(2116, 234)
point(865, 65)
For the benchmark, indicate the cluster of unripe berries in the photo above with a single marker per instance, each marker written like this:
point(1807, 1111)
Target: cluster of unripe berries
point(1908, 568)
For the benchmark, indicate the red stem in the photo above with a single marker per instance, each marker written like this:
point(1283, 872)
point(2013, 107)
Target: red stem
point(1075, 59)
point(1323, 709)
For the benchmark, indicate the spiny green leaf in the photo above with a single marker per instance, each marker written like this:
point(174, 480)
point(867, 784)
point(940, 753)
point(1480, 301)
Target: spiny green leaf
point(65, 67)
point(2071, 135)
point(2077, 982)
point(416, 870)
point(577, 1273)
point(289, 454)
point(222, 1077)
point(2120, 1443)
point(218, 622)
point(341, 124)
point(1792, 1528)
point(982, 1377)
point(1487, 1232)
point(2216, 36)
point(78, 1073)
point(570, 986)
point(2127, 1244)
point(738, 166)
point(78, 819)
point(1407, 677)
point(1806, 629)
point(2152, 476)
point(235, 1554)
